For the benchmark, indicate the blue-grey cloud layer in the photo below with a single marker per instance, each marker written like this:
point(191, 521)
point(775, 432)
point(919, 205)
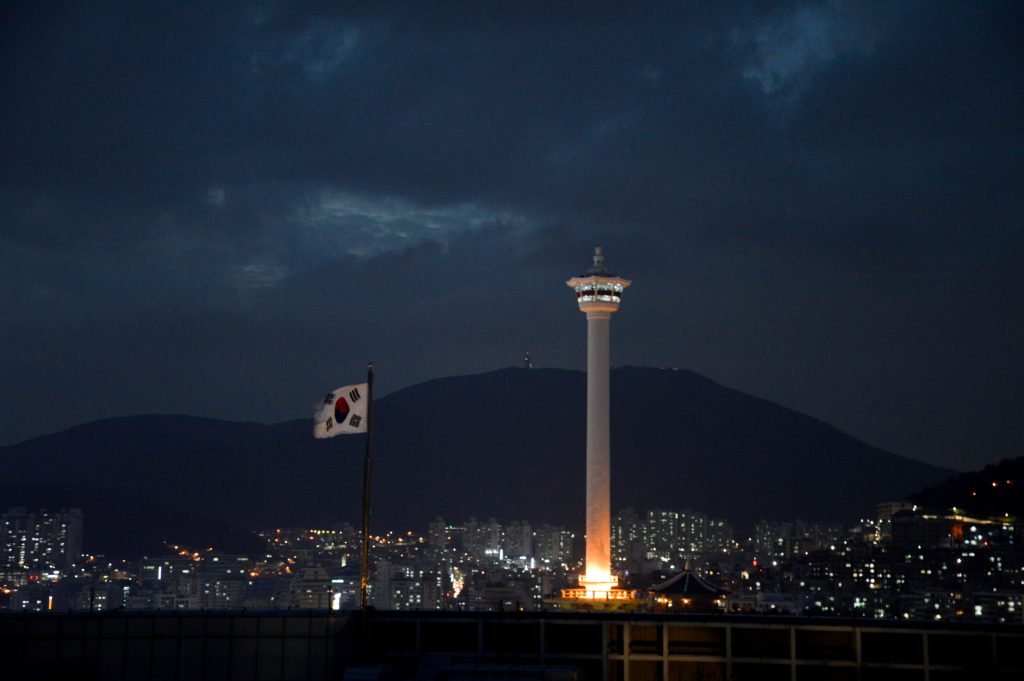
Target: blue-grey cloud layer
point(220, 209)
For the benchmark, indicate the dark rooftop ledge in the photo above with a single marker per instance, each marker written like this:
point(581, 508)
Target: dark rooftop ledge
point(697, 618)
point(317, 645)
point(537, 616)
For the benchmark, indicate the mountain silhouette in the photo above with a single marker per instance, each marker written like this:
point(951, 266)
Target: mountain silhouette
point(124, 527)
point(508, 444)
point(996, 490)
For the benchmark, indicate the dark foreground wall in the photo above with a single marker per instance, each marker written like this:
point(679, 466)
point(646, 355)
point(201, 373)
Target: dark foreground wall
point(175, 646)
point(463, 646)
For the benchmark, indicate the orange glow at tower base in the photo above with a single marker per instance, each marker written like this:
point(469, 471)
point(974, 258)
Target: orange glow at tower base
point(603, 588)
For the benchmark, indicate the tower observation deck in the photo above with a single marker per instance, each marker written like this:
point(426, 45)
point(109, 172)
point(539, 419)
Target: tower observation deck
point(598, 293)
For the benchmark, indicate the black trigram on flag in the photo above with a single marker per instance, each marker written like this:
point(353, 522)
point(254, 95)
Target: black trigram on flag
point(354, 395)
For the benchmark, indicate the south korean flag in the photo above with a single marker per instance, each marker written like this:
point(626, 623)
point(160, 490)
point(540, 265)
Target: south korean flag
point(342, 412)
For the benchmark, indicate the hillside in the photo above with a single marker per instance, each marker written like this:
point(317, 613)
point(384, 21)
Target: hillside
point(995, 490)
point(120, 526)
point(508, 444)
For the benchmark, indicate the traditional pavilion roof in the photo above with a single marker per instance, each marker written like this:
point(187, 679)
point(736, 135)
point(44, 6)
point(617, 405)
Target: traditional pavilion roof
point(688, 583)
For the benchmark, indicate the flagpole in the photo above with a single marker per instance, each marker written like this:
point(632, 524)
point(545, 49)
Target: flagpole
point(364, 563)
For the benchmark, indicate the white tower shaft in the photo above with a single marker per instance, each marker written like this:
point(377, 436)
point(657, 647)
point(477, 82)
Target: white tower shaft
point(599, 550)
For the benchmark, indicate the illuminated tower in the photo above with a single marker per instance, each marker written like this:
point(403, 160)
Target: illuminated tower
point(598, 293)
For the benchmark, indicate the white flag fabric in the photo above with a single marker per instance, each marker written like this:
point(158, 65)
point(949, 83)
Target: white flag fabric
point(342, 411)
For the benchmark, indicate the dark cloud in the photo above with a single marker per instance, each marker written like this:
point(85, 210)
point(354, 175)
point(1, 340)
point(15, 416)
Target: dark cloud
point(819, 203)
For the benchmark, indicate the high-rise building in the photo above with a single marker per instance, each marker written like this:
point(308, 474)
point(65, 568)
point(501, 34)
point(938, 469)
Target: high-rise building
point(482, 540)
point(627, 540)
point(44, 541)
point(667, 536)
point(552, 545)
point(517, 542)
point(598, 293)
point(437, 534)
point(783, 540)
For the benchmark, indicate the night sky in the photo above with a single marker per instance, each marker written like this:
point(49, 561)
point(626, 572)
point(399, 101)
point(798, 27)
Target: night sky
point(226, 210)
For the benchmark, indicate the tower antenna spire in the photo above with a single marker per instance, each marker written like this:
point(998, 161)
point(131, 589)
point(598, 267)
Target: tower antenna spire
point(598, 266)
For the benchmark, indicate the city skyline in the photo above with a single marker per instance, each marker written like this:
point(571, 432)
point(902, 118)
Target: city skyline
point(226, 210)
point(903, 562)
